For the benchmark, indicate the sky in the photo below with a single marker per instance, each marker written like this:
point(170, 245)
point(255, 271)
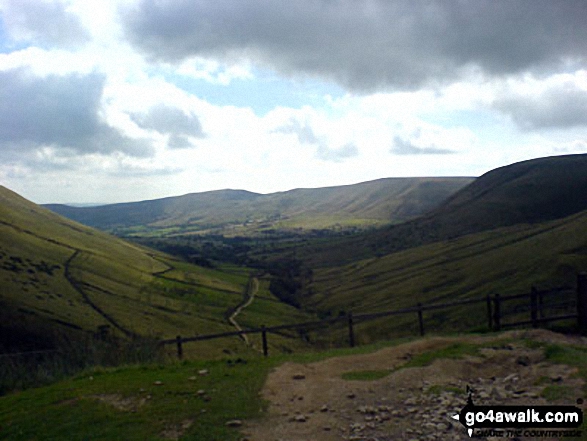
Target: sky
point(105, 101)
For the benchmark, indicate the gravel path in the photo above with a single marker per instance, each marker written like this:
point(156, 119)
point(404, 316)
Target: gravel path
point(313, 402)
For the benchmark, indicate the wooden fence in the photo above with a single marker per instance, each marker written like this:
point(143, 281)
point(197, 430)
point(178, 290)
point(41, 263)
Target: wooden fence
point(566, 303)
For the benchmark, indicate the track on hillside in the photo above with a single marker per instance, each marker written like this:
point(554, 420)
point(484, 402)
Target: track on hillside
point(248, 296)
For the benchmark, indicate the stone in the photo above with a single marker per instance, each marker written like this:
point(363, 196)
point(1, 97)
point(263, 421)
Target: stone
point(300, 418)
point(203, 372)
point(234, 423)
point(158, 383)
point(201, 392)
point(299, 377)
point(523, 360)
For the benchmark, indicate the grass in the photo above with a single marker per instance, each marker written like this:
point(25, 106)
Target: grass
point(129, 403)
point(243, 213)
point(453, 351)
point(156, 401)
point(505, 261)
point(58, 277)
point(569, 355)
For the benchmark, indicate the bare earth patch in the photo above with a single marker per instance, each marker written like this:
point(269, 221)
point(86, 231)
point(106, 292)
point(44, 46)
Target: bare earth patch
point(124, 404)
point(313, 401)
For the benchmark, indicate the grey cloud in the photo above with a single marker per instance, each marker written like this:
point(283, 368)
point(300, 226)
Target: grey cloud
point(405, 147)
point(338, 154)
point(170, 120)
point(58, 111)
point(365, 45)
point(304, 132)
point(45, 23)
point(561, 107)
point(306, 135)
point(178, 142)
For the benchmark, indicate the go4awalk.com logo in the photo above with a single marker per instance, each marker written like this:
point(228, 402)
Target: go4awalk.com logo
point(515, 421)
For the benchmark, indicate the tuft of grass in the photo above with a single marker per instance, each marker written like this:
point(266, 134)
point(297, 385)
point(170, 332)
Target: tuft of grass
point(570, 355)
point(454, 351)
point(555, 392)
point(437, 389)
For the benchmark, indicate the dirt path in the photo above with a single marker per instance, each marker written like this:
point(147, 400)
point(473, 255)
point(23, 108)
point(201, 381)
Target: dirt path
point(248, 297)
point(74, 283)
point(313, 402)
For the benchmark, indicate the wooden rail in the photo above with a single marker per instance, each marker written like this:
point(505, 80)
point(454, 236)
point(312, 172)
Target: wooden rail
point(495, 307)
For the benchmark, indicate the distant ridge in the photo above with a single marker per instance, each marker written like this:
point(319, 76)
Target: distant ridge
point(526, 192)
point(379, 202)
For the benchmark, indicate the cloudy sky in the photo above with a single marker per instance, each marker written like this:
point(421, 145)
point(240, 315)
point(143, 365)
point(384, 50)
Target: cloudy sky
point(111, 101)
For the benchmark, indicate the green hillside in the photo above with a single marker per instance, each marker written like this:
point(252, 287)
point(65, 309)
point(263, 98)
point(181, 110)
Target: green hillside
point(527, 192)
point(59, 278)
point(504, 261)
point(233, 212)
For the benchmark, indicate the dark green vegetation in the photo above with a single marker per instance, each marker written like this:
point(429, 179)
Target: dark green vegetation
point(239, 212)
point(528, 192)
point(514, 227)
point(68, 287)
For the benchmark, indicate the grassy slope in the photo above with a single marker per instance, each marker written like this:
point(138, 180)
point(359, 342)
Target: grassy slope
point(526, 192)
point(48, 264)
point(504, 261)
point(124, 403)
point(376, 202)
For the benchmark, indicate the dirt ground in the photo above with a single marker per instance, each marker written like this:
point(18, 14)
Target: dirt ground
point(313, 402)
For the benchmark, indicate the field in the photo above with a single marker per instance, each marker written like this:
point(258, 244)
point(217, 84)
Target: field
point(504, 261)
point(62, 278)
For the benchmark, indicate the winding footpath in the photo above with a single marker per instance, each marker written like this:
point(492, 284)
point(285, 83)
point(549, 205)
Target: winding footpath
point(248, 297)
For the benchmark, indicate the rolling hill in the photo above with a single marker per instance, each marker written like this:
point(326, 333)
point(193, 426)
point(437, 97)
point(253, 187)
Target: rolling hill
point(379, 202)
point(58, 277)
point(527, 192)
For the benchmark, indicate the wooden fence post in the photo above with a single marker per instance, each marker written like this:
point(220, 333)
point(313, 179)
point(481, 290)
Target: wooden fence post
point(497, 313)
point(582, 302)
point(489, 316)
point(351, 331)
point(420, 319)
point(179, 347)
point(534, 307)
point(264, 339)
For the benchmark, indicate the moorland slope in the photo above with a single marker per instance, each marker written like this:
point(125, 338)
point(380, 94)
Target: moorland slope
point(377, 202)
point(60, 277)
point(527, 192)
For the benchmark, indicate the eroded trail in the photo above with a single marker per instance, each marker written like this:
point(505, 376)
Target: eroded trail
point(248, 297)
point(314, 402)
point(77, 286)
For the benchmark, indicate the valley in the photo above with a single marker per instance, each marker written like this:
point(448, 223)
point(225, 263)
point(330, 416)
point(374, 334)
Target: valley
point(149, 271)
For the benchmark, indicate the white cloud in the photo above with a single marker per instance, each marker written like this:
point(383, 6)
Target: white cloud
point(81, 121)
